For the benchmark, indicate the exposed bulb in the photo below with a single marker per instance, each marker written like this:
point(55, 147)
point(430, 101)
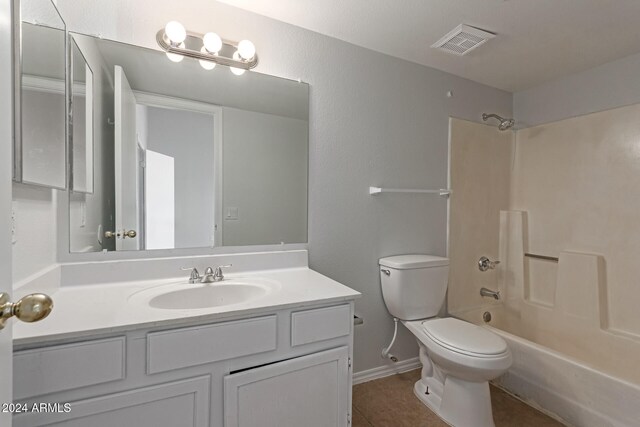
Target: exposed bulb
point(247, 50)
point(212, 42)
point(176, 32)
point(234, 70)
point(207, 65)
point(176, 57)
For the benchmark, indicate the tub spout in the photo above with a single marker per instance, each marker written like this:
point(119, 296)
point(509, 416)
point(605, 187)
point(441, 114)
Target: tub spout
point(489, 293)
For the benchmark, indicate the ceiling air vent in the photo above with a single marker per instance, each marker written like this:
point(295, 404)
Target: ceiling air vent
point(462, 40)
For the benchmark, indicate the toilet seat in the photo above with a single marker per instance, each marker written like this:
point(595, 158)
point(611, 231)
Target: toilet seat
point(479, 359)
point(464, 338)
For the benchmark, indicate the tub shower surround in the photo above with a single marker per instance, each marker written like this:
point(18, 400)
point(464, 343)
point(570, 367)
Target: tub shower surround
point(560, 217)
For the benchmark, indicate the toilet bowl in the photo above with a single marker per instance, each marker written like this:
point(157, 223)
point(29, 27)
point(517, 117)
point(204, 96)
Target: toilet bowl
point(458, 358)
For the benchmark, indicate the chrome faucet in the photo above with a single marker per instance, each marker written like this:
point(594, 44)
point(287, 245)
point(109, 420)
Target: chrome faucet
point(208, 276)
point(489, 293)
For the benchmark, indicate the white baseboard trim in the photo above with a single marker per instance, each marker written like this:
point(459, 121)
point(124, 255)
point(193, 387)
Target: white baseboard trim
point(385, 371)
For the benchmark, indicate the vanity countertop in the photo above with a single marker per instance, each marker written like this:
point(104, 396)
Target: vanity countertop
point(89, 310)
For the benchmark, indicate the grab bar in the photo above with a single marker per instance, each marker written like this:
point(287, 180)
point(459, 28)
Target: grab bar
point(544, 257)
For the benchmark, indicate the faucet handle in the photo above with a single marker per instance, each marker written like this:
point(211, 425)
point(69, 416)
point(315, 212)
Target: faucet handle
point(219, 275)
point(485, 264)
point(195, 275)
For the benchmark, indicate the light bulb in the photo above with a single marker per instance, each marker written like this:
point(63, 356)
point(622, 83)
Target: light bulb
point(176, 57)
point(247, 50)
point(207, 65)
point(175, 32)
point(234, 70)
point(212, 42)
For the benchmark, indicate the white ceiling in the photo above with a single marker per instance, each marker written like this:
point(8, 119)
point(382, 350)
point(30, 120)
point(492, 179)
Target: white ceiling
point(538, 40)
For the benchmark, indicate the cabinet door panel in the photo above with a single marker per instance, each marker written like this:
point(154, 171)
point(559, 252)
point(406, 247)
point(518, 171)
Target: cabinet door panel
point(310, 391)
point(182, 403)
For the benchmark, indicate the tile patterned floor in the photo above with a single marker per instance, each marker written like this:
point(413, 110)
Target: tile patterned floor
point(390, 402)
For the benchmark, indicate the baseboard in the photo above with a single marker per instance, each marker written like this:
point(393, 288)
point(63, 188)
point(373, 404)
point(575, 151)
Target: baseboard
point(385, 371)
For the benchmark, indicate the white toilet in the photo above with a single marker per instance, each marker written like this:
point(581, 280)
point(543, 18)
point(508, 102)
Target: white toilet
point(458, 358)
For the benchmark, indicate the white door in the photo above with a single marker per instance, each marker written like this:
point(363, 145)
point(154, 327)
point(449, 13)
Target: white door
point(6, 128)
point(126, 163)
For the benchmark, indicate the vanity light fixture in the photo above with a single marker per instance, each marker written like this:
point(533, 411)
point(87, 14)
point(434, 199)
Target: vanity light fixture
point(174, 38)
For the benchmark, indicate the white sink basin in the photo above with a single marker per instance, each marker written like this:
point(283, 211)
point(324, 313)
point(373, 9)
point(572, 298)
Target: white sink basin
point(185, 296)
point(212, 295)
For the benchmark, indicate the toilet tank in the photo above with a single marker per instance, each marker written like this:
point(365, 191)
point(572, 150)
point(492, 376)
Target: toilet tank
point(414, 286)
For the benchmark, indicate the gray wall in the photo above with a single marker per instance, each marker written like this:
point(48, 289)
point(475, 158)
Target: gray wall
point(265, 177)
point(374, 120)
point(187, 136)
point(611, 85)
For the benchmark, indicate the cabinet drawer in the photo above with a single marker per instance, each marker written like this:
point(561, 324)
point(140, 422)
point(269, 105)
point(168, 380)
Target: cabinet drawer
point(181, 348)
point(182, 403)
point(65, 367)
point(320, 324)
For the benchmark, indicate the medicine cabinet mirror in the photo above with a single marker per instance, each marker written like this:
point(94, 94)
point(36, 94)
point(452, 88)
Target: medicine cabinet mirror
point(40, 145)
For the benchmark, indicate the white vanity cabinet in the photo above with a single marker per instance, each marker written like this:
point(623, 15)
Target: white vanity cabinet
point(290, 367)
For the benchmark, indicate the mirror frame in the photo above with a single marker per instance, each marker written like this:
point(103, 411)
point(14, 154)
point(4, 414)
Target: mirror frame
point(89, 117)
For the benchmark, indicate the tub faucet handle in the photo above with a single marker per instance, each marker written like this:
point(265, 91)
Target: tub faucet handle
point(485, 264)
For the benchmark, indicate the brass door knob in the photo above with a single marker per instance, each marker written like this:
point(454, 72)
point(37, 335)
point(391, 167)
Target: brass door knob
point(130, 234)
point(31, 308)
point(109, 234)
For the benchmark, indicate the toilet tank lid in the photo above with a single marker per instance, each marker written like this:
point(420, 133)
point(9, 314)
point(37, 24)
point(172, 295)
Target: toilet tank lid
point(410, 261)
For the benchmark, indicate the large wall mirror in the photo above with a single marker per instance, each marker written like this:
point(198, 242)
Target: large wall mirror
point(172, 155)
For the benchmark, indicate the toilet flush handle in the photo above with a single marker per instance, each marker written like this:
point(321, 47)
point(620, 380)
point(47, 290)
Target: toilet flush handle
point(385, 271)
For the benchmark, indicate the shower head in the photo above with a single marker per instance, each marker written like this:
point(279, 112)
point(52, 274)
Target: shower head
point(504, 123)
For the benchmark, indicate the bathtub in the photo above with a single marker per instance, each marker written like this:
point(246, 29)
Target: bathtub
point(568, 388)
